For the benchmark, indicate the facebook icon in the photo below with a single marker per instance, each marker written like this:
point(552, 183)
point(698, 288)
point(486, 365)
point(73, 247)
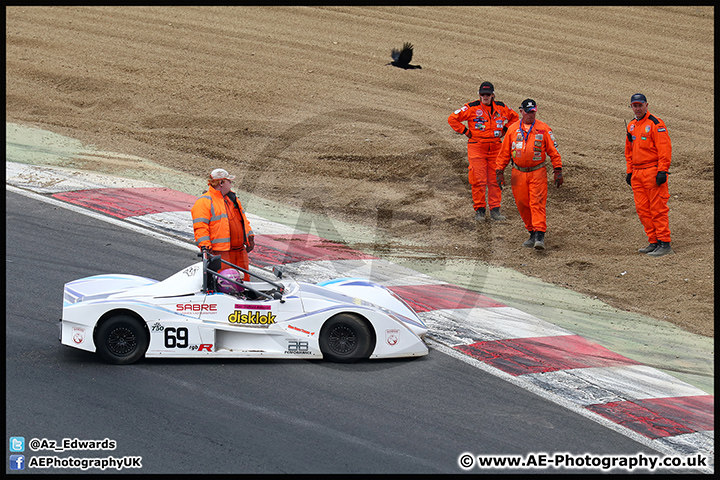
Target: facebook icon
point(17, 462)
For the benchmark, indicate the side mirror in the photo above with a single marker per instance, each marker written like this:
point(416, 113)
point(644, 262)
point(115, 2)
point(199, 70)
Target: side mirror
point(278, 271)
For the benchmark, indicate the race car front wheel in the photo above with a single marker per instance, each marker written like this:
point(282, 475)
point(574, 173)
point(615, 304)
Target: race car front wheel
point(121, 340)
point(346, 338)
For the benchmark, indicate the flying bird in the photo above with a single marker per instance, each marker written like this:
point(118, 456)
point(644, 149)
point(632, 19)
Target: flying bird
point(402, 58)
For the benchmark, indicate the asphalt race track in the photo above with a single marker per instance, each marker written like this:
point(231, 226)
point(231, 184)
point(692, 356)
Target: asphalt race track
point(242, 416)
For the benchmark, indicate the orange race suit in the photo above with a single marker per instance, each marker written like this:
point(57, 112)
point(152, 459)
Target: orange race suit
point(528, 146)
point(222, 226)
point(647, 151)
point(487, 124)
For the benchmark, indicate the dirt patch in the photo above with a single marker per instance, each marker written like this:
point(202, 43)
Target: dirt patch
point(300, 104)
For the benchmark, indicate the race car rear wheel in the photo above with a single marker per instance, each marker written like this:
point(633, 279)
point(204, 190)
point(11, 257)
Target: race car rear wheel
point(121, 340)
point(346, 338)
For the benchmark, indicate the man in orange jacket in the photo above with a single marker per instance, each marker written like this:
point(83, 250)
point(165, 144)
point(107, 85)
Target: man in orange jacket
point(220, 224)
point(526, 144)
point(487, 122)
point(647, 154)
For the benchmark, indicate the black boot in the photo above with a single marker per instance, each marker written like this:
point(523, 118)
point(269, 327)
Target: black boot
point(530, 242)
point(480, 214)
point(649, 248)
point(496, 215)
point(663, 248)
point(539, 240)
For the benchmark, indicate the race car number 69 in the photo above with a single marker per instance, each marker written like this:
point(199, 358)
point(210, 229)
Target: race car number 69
point(180, 340)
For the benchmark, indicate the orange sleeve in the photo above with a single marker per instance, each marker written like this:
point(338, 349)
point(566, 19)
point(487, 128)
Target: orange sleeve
point(512, 116)
point(505, 153)
point(628, 151)
point(201, 221)
point(551, 149)
point(457, 117)
point(664, 146)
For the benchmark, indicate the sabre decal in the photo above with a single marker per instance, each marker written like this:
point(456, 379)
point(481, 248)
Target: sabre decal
point(196, 307)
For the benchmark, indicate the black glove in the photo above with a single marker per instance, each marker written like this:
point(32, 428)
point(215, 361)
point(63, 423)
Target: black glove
point(500, 177)
point(558, 177)
point(206, 250)
point(661, 178)
point(628, 178)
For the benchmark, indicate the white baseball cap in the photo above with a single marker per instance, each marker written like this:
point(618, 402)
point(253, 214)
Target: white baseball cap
point(220, 173)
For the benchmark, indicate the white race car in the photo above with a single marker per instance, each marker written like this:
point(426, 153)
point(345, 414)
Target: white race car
point(205, 311)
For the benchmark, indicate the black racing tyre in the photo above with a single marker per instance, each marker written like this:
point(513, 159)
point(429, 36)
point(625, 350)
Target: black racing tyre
point(346, 338)
point(121, 340)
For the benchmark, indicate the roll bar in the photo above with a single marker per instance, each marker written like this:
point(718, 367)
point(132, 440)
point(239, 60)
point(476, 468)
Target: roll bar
point(212, 264)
